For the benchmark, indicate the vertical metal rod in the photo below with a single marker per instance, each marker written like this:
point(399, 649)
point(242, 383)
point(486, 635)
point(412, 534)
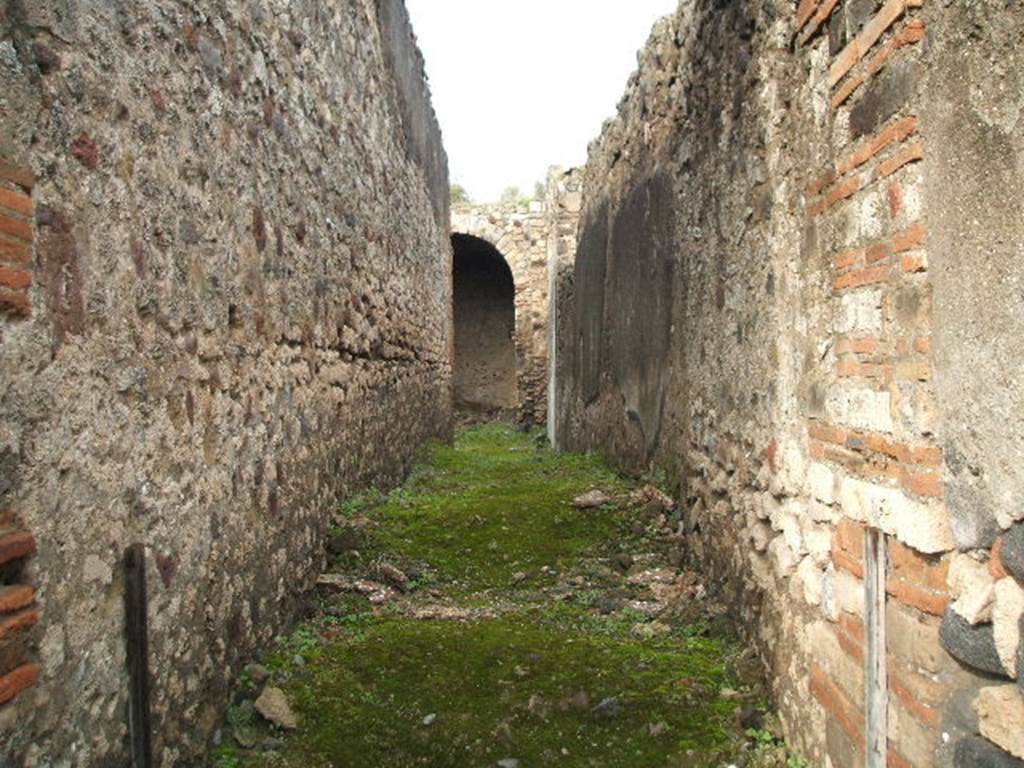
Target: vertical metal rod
point(876, 691)
point(137, 646)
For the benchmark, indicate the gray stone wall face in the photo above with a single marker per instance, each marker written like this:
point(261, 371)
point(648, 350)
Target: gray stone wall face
point(237, 311)
point(794, 292)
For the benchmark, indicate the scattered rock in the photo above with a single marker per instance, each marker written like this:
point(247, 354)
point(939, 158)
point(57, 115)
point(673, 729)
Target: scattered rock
point(273, 706)
point(1001, 717)
point(509, 762)
point(623, 561)
point(608, 709)
point(973, 646)
point(298, 661)
point(336, 581)
point(653, 498)
point(750, 717)
point(271, 744)
point(653, 576)
point(656, 729)
point(579, 701)
point(257, 673)
point(537, 707)
point(591, 500)
point(393, 575)
point(348, 539)
point(520, 577)
point(430, 719)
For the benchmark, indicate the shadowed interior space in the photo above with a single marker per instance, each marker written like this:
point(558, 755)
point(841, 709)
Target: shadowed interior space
point(485, 321)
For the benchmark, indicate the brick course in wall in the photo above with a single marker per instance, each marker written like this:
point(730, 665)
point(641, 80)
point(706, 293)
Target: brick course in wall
point(807, 399)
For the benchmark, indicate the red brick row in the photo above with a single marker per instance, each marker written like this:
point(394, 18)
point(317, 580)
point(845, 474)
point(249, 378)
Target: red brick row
point(17, 613)
point(912, 32)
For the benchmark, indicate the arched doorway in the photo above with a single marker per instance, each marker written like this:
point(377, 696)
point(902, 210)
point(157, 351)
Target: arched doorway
point(485, 324)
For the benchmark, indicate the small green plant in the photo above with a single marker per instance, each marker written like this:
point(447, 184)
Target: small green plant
point(227, 760)
point(795, 761)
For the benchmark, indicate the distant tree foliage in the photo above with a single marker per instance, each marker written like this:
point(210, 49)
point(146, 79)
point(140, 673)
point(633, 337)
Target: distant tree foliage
point(459, 195)
point(539, 191)
point(511, 196)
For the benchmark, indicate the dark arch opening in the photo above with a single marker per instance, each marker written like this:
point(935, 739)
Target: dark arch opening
point(485, 324)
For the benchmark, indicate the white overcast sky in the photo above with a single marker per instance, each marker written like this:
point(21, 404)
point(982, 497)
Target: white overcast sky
point(522, 85)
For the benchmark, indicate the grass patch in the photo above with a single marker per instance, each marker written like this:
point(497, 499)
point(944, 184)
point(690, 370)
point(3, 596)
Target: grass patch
point(494, 505)
point(504, 688)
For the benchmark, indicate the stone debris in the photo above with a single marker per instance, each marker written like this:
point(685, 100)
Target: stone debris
point(657, 500)
point(273, 707)
point(393, 575)
point(1001, 717)
point(592, 500)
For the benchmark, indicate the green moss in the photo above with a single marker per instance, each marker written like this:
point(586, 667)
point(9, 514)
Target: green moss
point(507, 686)
point(365, 702)
point(494, 505)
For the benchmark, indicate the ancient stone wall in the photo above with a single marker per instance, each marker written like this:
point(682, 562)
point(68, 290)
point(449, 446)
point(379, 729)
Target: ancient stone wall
point(225, 294)
point(521, 236)
point(795, 289)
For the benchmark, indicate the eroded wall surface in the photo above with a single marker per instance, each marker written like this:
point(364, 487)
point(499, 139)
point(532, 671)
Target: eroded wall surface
point(225, 294)
point(796, 289)
point(521, 237)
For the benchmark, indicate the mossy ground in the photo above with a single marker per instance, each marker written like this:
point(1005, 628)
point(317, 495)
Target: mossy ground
point(540, 632)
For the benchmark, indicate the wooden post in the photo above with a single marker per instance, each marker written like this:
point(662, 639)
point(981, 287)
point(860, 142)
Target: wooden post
point(137, 646)
point(877, 689)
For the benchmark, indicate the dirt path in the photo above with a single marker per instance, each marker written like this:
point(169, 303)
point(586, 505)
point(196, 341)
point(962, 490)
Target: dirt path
point(479, 617)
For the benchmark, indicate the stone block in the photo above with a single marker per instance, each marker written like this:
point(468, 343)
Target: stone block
point(860, 312)
point(784, 560)
point(810, 576)
point(924, 527)
point(821, 483)
point(972, 589)
point(883, 97)
point(914, 638)
point(1013, 552)
point(1001, 717)
point(849, 591)
point(974, 646)
point(1006, 615)
point(854, 405)
point(973, 752)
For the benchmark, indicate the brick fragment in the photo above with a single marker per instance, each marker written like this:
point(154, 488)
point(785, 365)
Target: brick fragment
point(19, 680)
point(912, 32)
point(917, 597)
point(849, 259)
point(827, 433)
point(862, 277)
point(914, 263)
point(927, 715)
point(15, 546)
point(15, 278)
point(868, 36)
point(14, 252)
point(804, 11)
point(927, 484)
point(19, 228)
point(836, 703)
point(995, 562)
point(23, 177)
point(911, 154)
point(16, 597)
point(848, 188)
point(864, 346)
point(15, 201)
point(848, 89)
point(18, 623)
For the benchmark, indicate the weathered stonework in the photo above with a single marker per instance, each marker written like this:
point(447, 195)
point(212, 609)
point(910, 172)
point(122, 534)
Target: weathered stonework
point(224, 304)
point(526, 239)
point(781, 296)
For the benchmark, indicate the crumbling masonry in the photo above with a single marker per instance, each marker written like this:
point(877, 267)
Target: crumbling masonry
point(227, 301)
point(797, 289)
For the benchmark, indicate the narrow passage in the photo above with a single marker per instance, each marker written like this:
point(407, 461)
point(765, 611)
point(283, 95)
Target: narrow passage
point(511, 607)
